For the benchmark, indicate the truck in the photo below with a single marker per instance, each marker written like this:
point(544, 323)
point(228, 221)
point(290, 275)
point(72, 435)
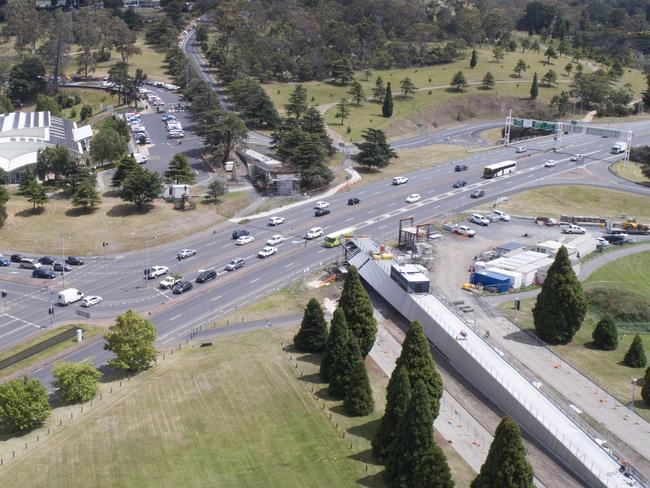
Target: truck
point(635, 226)
point(572, 229)
point(68, 296)
point(619, 147)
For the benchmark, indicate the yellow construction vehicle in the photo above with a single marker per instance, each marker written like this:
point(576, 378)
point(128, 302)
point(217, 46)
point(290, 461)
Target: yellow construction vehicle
point(631, 225)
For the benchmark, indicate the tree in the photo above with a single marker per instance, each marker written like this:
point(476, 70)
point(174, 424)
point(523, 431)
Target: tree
point(75, 382)
point(123, 40)
point(336, 344)
point(312, 336)
point(356, 305)
point(534, 88)
point(180, 171)
point(126, 165)
point(86, 196)
point(635, 355)
point(605, 335)
point(564, 48)
point(488, 81)
point(4, 198)
point(358, 399)
point(342, 71)
point(141, 187)
point(398, 394)
point(506, 465)
point(26, 79)
point(459, 82)
point(645, 96)
point(568, 68)
point(498, 52)
point(216, 190)
point(28, 178)
point(413, 440)
point(132, 340)
point(387, 107)
point(47, 104)
point(297, 101)
point(35, 193)
point(342, 368)
point(55, 50)
point(525, 44)
point(202, 34)
point(520, 67)
point(224, 132)
point(474, 59)
point(342, 110)
point(379, 91)
point(550, 78)
point(562, 304)
point(535, 47)
point(375, 150)
point(645, 391)
point(23, 404)
point(407, 87)
point(550, 53)
point(561, 101)
point(433, 471)
point(356, 90)
point(57, 160)
point(107, 145)
point(25, 23)
point(118, 74)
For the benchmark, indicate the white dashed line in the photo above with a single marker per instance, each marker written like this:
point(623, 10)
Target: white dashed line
point(251, 282)
point(216, 298)
point(289, 265)
point(175, 317)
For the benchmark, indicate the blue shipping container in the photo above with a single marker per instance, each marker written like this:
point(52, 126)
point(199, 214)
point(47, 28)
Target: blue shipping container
point(491, 280)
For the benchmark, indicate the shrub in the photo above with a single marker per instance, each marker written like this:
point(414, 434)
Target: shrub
point(621, 305)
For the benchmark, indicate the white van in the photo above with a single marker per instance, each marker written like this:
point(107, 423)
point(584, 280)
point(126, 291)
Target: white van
point(29, 263)
point(69, 295)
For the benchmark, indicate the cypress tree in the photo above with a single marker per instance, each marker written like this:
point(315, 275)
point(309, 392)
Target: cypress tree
point(357, 307)
point(417, 361)
point(358, 399)
point(474, 60)
point(413, 440)
point(534, 89)
point(387, 107)
point(645, 391)
point(398, 395)
point(336, 344)
point(561, 305)
point(645, 96)
point(342, 368)
point(312, 336)
point(605, 335)
point(635, 355)
point(433, 470)
point(506, 465)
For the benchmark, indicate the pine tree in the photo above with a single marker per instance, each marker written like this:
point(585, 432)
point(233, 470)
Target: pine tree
point(387, 107)
point(312, 336)
point(413, 440)
point(86, 196)
point(336, 344)
point(407, 87)
point(358, 399)
point(646, 94)
point(36, 194)
point(433, 470)
point(358, 95)
point(342, 110)
point(488, 81)
point(459, 82)
point(342, 368)
point(398, 394)
point(645, 391)
point(520, 67)
point(297, 102)
point(474, 59)
point(357, 307)
point(28, 177)
point(416, 359)
point(506, 465)
point(180, 171)
point(126, 165)
point(379, 90)
point(605, 334)
point(635, 355)
point(561, 305)
point(534, 89)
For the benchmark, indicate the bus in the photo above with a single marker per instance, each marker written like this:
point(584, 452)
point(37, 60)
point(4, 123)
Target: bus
point(334, 239)
point(499, 169)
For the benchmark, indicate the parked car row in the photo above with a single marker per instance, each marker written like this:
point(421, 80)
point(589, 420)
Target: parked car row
point(174, 127)
point(36, 264)
point(138, 130)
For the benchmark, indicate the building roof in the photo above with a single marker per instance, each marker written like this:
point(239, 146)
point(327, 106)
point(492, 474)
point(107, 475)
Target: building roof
point(22, 134)
point(411, 272)
point(511, 246)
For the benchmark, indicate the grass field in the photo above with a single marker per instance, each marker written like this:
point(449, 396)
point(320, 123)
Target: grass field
point(630, 171)
point(124, 227)
point(628, 273)
point(577, 200)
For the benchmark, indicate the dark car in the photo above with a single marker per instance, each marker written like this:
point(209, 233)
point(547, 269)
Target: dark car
point(353, 201)
point(182, 287)
point(236, 263)
point(4, 261)
point(60, 266)
point(460, 184)
point(240, 232)
point(321, 211)
point(206, 275)
point(43, 273)
point(478, 194)
point(16, 258)
point(47, 260)
point(460, 167)
point(74, 260)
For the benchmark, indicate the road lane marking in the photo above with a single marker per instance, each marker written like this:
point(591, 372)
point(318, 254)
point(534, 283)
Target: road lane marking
point(251, 282)
point(350, 219)
point(216, 298)
point(175, 317)
point(166, 296)
point(289, 265)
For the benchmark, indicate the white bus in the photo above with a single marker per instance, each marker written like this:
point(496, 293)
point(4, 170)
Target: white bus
point(499, 169)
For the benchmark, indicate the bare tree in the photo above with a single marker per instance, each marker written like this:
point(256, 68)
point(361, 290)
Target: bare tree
point(55, 51)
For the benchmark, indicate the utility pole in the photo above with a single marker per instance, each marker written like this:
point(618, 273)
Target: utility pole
point(146, 270)
point(63, 257)
point(105, 241)
point(506, 135)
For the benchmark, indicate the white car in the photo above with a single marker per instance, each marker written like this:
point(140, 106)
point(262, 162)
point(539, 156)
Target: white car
point(156, 271)
point(314, 232)
point(399, 180)
point(576, 157)
point(550, 163)
point(168, 282)
point(267, 251)
point(140, 158)
point(602, 241)
point(413, 197)
point(91, 300)
point(186, 253)
point(243, 240)
point(522, 149)
point(572, 229)
point(502, 215)
point(463, 230)
point(321, 205)
point(479, 219)
point(276, 220)
point(275, 240)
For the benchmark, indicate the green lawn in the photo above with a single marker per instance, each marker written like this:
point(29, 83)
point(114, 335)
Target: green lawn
point(628, 273)
point(630, 171)
point(99, 100)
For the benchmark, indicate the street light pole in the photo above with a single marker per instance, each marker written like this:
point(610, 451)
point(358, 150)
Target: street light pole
point(146, 276)
point(63, 258)
point(633, 392)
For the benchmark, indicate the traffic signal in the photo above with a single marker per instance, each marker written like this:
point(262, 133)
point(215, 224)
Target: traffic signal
point(50, 310)
point(4, 294)
point(517, 304)
point(146, 271)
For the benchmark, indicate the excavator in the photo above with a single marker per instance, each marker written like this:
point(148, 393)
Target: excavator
point(631, 225)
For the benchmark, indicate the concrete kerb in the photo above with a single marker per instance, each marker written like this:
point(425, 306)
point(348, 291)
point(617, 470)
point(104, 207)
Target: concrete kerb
point(354, 178)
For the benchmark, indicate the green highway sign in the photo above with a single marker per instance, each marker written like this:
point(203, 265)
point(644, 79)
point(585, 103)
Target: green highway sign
point(535, 124)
